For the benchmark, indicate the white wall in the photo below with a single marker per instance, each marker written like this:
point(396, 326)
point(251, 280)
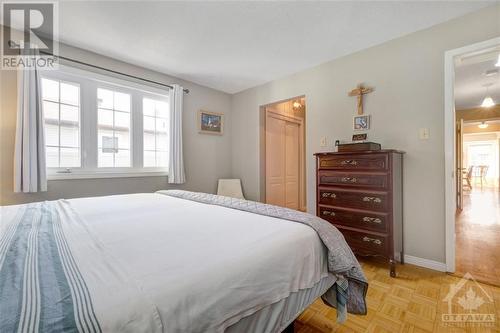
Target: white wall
point(207, 157)
point(408, 76)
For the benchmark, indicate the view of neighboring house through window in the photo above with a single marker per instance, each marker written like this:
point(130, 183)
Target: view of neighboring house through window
point(114, 128)
point(61, 106)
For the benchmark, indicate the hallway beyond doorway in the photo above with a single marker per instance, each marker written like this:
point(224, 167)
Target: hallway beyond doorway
point(478, 235)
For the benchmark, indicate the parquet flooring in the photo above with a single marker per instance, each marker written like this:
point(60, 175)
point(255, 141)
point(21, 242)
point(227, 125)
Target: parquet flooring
point(478, 235)
point(410, 303)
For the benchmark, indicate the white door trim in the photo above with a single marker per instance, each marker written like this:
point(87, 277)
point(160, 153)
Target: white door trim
point(449, 142)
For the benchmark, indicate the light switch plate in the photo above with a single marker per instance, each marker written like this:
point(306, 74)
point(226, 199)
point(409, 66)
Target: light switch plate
point(323, 142)
point(423, 134)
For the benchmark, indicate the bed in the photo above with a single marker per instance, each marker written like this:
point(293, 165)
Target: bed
point(171, 261)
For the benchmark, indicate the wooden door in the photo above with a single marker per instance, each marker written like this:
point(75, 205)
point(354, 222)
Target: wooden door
point(460, 166)
point(275, 160)
point(292, 165)
point(283, 156)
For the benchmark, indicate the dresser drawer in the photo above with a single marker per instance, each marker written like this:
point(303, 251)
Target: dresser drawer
point(366, 243)
point(372, 162)
point(356, 219)
point(376, 201)
point(353, 179)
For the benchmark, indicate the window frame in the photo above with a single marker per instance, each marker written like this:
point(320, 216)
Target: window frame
point(131, 129)
point(156, 98)
point(60, 81)
point(89, 82)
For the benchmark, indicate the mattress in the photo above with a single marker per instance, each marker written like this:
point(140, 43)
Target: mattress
point(276, 317)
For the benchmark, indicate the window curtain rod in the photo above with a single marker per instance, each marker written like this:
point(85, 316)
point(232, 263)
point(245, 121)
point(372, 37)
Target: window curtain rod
point(110, 70)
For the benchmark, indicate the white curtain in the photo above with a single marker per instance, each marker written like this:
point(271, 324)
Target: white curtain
point(176, 174)
point(29, 157)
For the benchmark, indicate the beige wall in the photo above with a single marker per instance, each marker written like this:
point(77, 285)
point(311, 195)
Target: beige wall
point(207, 157)
point(408, 76)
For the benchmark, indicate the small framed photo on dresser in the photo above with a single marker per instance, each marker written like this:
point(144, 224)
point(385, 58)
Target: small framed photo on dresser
point(359, 137)
point(361, 123)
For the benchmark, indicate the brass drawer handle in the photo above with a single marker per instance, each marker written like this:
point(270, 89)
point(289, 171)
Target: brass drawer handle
point(329, 195)
point(349, 179)
point(372, 199)
point(372, 240)
point(326, 212)
point(349, 162)
point(372, 220)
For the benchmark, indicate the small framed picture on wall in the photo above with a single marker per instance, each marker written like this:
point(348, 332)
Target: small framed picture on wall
point(210, 122)
point(361, 123)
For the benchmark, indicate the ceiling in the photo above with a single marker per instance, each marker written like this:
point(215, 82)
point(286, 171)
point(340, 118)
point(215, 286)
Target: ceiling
point(471, 81)
point(232, 46)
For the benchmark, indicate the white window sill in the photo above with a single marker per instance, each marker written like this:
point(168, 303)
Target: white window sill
point(98, 175)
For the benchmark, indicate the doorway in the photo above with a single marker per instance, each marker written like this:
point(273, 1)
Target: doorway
point(476, 100)
point(284, 153)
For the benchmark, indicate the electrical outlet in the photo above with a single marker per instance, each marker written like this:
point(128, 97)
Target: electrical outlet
point(423, 134)
point(323, 142)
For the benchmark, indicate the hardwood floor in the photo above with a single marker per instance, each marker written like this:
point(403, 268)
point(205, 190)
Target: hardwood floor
point(411, 302)
point(478, 236)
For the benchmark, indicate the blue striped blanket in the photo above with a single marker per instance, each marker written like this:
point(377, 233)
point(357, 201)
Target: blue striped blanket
point(55, 277)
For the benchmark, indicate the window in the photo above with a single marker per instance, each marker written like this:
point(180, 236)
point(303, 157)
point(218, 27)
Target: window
point(99, 126)
point(61, 106)
point(483, 153)
point(155, 122)
point(113, 138)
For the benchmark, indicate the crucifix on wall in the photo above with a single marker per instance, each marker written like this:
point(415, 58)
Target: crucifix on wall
point(359, 92)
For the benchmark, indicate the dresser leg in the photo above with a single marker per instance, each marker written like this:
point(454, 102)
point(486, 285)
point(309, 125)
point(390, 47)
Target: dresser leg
point(402, 256)
point(392, 263)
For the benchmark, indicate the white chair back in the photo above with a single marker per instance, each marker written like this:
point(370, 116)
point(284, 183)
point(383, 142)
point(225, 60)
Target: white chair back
point(230, 188)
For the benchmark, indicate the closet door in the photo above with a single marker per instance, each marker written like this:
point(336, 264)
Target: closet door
point(275, 160)
point(292, 165)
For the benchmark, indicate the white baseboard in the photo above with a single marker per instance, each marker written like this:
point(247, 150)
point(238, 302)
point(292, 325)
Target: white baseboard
point(431, 264)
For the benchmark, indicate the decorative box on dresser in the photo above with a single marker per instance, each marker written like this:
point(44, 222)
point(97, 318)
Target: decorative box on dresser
point(361, 193)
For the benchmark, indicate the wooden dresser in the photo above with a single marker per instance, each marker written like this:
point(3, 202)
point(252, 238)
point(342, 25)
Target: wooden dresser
point(361, 193)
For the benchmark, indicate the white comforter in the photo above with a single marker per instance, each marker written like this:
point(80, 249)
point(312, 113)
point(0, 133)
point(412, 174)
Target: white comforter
point(203, 267)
